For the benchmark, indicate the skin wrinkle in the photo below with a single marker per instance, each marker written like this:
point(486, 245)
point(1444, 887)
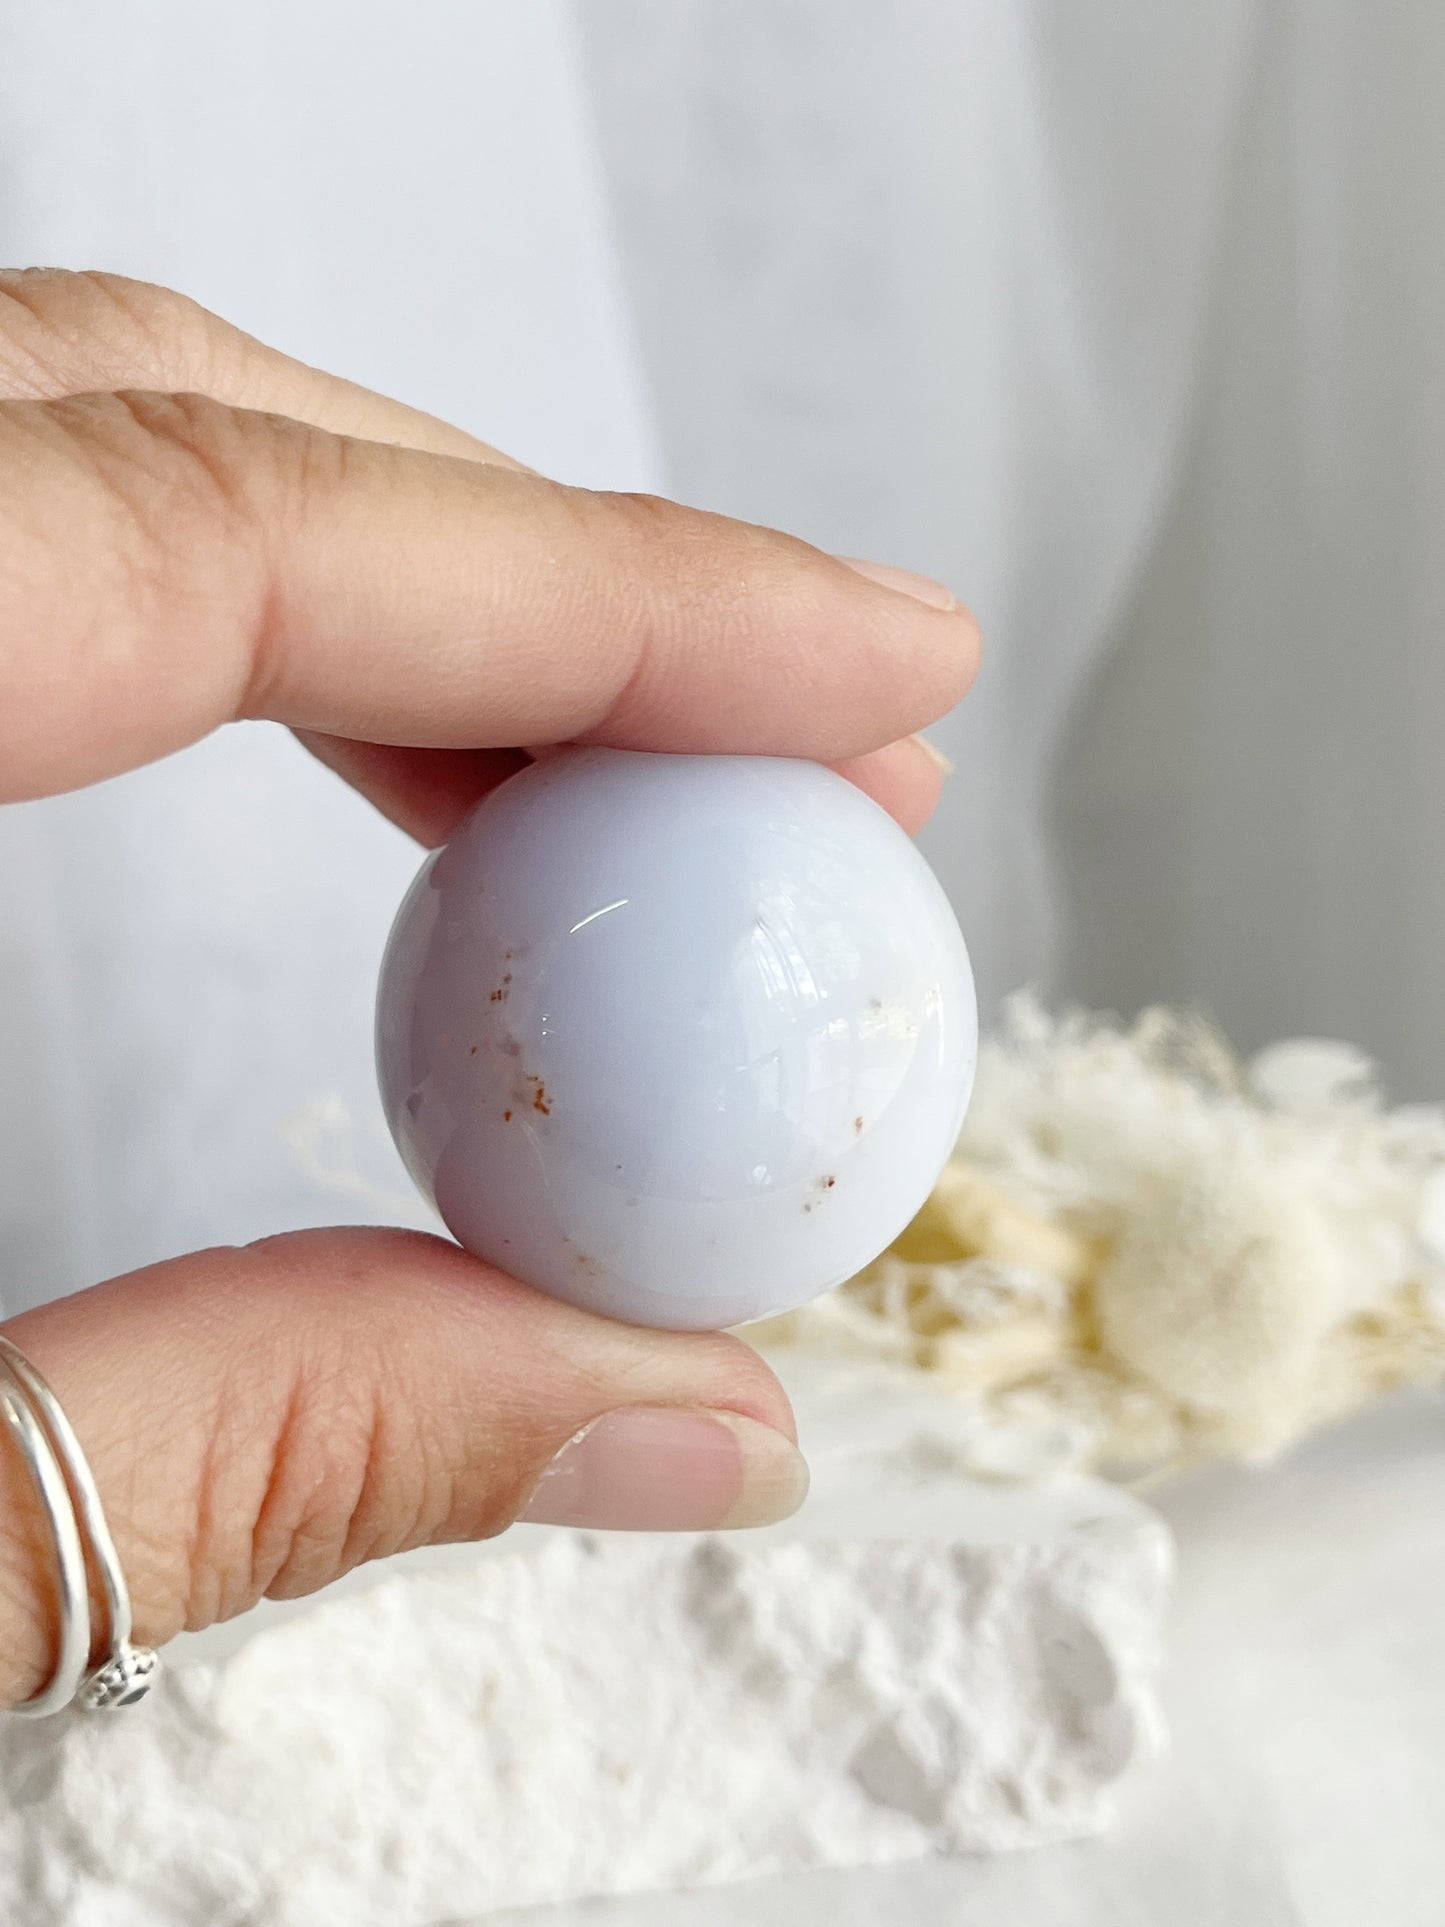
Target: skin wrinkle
point(204, 1602)
point(231, 1440)
point(350, 1474)
point(59, 310)
point(383, 1520)
point(322, 1475)
point(22, 372)
point(120, 456)
point(267, 647)
point(192, 428)
point(175, 336)
point(170, 342)
point(273, 1534)
point(68, 321)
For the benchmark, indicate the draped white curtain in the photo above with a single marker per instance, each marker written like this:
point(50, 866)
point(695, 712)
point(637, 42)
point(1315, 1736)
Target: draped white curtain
point(407, 193)
point(1122, 318)
point(1249, 811)
point(929, 281)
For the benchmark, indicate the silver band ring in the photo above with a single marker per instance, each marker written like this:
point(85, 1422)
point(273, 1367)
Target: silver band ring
point(77, 1521)
point(73, 1649)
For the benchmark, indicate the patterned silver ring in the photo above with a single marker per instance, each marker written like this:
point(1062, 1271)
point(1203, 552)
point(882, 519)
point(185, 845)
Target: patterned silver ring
point(77, 1522)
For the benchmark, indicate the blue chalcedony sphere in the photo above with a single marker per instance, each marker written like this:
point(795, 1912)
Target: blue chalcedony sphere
point(683, 1039)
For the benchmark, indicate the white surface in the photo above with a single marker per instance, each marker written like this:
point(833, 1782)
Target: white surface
point(1305, 1692)
point(916, 1661)
point(683, 1039)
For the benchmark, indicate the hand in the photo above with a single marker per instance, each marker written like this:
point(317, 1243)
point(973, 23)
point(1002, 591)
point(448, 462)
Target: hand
point(195, 529)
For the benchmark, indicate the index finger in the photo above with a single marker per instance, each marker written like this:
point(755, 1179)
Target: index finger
point(170, 563)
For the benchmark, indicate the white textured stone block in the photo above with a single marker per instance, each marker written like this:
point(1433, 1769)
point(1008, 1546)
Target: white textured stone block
point(919, 1663)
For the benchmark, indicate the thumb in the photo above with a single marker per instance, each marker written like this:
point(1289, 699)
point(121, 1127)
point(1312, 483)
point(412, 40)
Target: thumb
point(261, 1420)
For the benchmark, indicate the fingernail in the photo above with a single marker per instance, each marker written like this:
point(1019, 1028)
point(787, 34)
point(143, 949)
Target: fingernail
point(935, 755)
point(921, 587)
point(671, 1469)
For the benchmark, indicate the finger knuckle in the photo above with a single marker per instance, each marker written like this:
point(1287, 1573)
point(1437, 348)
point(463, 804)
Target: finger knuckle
point(67, 331)
point(169, 480)
point(193, 474)
point(314, 1485)
point(125, 534)
point(350, 1480)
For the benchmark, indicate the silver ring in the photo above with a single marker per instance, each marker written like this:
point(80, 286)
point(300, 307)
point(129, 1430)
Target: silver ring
point(73, 1595)
point(77, 1521)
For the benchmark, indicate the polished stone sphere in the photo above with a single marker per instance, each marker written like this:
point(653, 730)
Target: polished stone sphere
point(683, 1039)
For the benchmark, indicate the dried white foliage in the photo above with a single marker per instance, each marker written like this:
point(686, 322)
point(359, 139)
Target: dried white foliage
point(324, 1142)
point(1147, 1253)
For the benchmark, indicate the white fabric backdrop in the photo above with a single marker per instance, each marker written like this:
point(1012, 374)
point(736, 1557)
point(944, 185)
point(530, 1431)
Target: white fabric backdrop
point(404, 193)
point(1126, 318)
point(927, 281)
point(1251, 806)
point(1122, 318)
